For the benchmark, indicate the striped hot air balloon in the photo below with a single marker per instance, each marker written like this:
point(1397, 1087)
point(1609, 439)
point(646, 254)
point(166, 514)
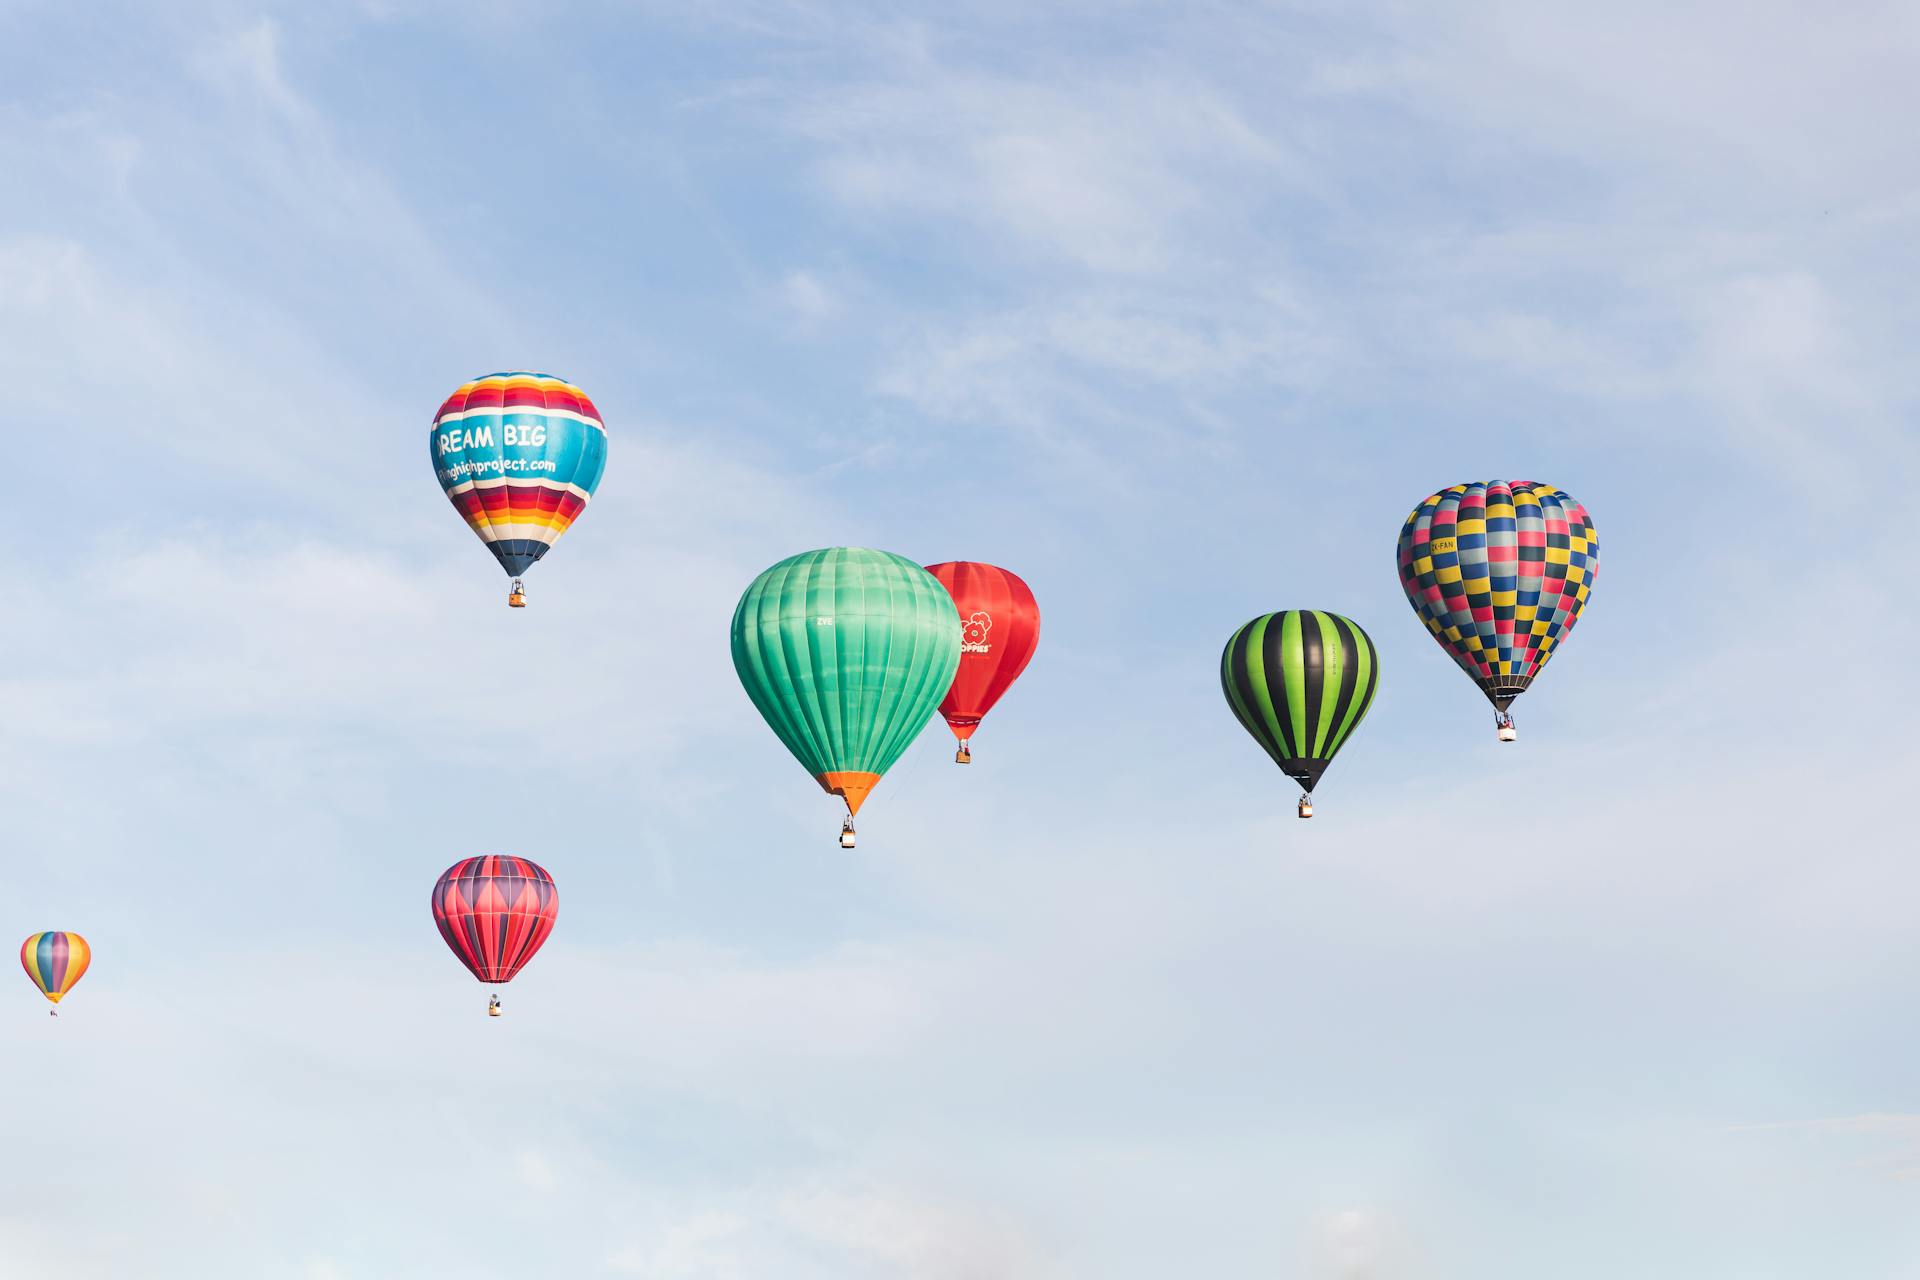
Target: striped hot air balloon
point(55, 961)
point(1499, 572)
point(999, 630)
point(1300, 681)
point(494, 912)
point(846, 652)
point(518, 455)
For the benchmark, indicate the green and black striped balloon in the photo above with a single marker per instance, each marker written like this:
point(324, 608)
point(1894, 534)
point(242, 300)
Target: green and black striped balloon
point(1300, 682)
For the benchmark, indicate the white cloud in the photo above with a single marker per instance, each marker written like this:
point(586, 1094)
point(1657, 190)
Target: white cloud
point(1775, 354)
point(914, 1238)
point(535, 1172)
point(700, 1248)
point(1613, 231)
point(1106, 173)
point(247, 61)
point(1677, 93)
point(159, 374)
point(1355, 1246)
point(808, 297)
point(1894, 1138)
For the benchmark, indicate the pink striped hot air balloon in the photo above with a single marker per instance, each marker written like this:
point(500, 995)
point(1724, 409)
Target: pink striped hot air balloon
point(494, 912)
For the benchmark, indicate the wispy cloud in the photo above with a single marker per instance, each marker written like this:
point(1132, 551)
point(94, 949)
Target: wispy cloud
point(702, 1247)
point(913, 1237)
point(1895, 1136)
point(246, 62)
point(811, 299)
point(1126, 226)
point(1108, 174)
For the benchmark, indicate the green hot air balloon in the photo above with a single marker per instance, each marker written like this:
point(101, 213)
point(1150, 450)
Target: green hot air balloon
point(1300, 682)
point(847, 652)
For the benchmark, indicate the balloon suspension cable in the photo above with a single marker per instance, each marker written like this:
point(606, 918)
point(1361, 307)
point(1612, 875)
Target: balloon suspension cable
point(517, 595)
point(964, 755)
point(1306, 805)
point(1503, 727)
point(846, 833)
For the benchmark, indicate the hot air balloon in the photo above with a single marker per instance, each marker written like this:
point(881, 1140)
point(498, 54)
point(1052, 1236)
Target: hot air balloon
point(494, 913)
point(55, 961)
point(846, 652)
point(519, 455)
point(999, 629)
point(1499, 573)
point(1300, 681)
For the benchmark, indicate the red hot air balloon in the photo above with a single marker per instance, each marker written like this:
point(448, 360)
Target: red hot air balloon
point(494, 913)
point(999, 629)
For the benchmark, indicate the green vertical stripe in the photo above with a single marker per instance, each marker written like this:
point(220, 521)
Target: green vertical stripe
point(1233, 675)
point(1333, 665)
point(1273, 660)
point(1261, 679)
point(1308, 662)
point(1356, 708)
point(1295, 675)
point(1364, 699)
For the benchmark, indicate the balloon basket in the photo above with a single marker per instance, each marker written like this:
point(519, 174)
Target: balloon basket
point(1306, 806)
point(517, 595)
point(1503, 729)
point(846, 833)
point(964, 755)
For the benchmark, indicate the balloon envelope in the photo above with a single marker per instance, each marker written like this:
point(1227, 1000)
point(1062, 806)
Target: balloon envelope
point(494, 912)
point(518, 455)
point(1300, 681)
point(55, 961)
point(999, 630)
point(846, 652)
point(1499, 572)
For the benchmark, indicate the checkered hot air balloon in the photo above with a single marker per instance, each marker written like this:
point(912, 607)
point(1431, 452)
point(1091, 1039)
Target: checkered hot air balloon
point(1499, 573)
point(518, 455)
point(494, 913)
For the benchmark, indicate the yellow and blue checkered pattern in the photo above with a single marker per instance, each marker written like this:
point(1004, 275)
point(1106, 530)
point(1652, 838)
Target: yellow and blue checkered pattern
point(1499, 573)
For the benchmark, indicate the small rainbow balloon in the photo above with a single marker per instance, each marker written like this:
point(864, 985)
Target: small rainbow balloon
point(55, 961)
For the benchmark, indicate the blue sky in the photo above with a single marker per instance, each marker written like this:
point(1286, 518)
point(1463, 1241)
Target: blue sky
point(1175, 310)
